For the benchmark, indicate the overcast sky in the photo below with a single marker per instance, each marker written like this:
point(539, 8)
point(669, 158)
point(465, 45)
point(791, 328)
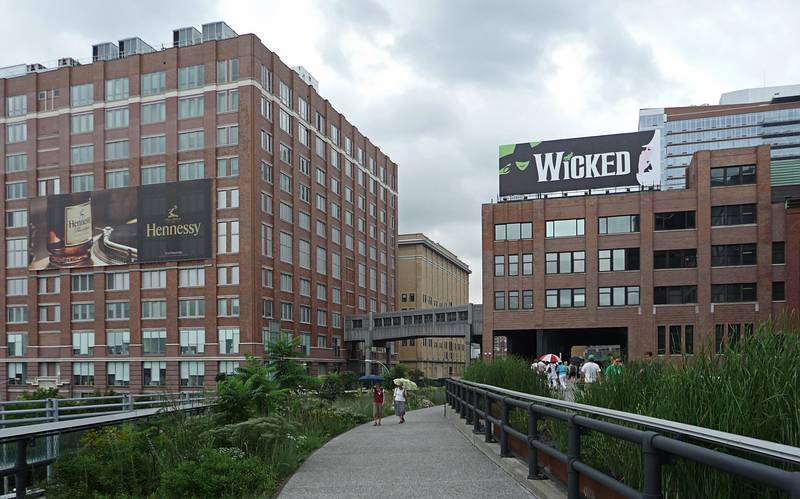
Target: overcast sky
point(437, 85)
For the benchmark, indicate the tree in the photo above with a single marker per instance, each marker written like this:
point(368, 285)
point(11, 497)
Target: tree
point(253, 390)
point(281, 357)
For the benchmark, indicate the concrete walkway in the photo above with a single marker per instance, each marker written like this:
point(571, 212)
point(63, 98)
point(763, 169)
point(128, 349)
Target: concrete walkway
point(425, 457)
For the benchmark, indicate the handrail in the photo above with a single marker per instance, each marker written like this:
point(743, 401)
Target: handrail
point(474, 402)
point(764, 448)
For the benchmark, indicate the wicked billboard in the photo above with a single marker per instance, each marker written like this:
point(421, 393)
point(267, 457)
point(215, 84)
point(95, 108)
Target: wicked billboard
point(149, 223)
point(625, 159)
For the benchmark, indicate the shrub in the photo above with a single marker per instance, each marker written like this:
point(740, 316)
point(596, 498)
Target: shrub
point(512, 373)
point(224, 472)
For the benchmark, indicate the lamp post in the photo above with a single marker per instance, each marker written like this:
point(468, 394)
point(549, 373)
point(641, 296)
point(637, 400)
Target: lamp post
point(370, 361)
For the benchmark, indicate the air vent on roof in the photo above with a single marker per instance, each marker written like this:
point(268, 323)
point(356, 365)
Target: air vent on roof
point(183, 37)
point(105, 52)
point(32, 68)
point(217, 31)
point(66, 62)
point(132, 46)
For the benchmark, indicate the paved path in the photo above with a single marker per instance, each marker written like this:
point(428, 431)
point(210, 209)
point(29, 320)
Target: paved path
point(425, 457)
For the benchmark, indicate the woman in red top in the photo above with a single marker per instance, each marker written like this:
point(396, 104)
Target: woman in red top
point(377, 404)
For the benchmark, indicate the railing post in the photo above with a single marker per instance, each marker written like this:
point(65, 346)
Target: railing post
point(470, 405)
point(573, 454)
point(652, 467)
point(533, 452)
point(476, 419)
point(487, 428)
point(21, 468)
point(463, 412)
point(503, 428)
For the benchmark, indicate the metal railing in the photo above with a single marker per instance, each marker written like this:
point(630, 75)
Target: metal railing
point(473, 402)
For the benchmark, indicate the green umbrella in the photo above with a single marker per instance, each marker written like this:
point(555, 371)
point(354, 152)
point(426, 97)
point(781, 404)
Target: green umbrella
point(405, 383)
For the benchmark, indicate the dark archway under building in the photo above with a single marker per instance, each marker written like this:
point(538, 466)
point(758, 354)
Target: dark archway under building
point(530, 343)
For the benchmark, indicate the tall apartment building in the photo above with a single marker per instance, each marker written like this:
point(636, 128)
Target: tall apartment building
point(430, 276)
point(667, 272)
point(743, 118)
point(170, 211)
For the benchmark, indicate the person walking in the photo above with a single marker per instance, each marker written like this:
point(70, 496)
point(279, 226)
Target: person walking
point(572, 373)
point(400, 403)
point(614, 370)
point(377, 404)
point(552, 374)
point(562, 375)
point(590, 370)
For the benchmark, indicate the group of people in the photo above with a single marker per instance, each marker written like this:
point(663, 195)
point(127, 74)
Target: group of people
point(558, 373)
point(399, 395)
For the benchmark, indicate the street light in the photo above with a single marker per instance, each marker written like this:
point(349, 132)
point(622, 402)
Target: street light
point(377, 362)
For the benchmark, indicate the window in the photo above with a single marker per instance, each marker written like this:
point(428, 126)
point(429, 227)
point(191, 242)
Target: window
point(566, 262)
point(154, 341)
point(155, 112)
point(154, 309)
point(83, 343)
point(117, 89)
point(191, 308)
point(266, 108)
point(286, 247)
point(117, 281)
point(266, 141)
point(285, 153)
point(513, 265)
point(227, 237)
point(81, 95)
point(778, 291)
point(565, 298)
point(499, 265)
point(305, 287)
point(82, 312)
point(118, 310)
point(266, 240)
point(778, 252)
point(674, 295)
point(117, 150)
point(48, 186)
point(513, 300)
point(48, 285)
point(619, 225)
point(116, 179)
point(285, 183)
point(16, 105)
point(228, 101)
point(305, 314)
point(285, 94)
point(618, 296)
point(16, 314)
point(733, 254)
point(304, 250)
point(735, 214)
point(154, 83)
point(81, 123)
point(675, 220)
point(191, 77)
point(17, 373)
point(527, 299)
point(191, 107)
point(154, 174)
point(16, 253)
point(322, 318)
point(227, 198)
point(285, 212)
point(17, 286)
point(729, 293)
point(154, 279)
point(192, 140)
point(228, 306)
point(155, 373)
point(228, 367)
point(499, 300)
point(82, 154)
point(192, 374)
point(228, 167)
point(733, 175)
point(193, 341)
point(675, 259)
point(16, 133)
point(513, 231)
point(82, 283)
point(228, 135)
point(117, 118)
point(618, 259)
point(675, 340)
point(688, 331)
point(118, 342)
point(191, 171)
point(192, 277)
point(118, 373)
point(16, 163)
point(302, 107)
point(83, 373)
point(16, 190)
point(564, 228)
point(228, 275)
point(322, 260)
point(16, 219)
point(17, 344)
point(154, 145)
point(285, 122)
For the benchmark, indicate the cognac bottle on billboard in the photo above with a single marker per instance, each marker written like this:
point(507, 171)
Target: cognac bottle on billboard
point(69, 229)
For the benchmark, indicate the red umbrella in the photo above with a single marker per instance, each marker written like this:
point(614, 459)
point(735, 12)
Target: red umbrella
point(550, 357)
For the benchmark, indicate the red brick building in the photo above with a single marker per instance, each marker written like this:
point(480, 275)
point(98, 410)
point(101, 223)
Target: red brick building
point(667, 272)
point(304, 215)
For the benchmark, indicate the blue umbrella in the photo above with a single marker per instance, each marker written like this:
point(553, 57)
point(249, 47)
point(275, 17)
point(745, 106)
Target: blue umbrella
point(371, 378)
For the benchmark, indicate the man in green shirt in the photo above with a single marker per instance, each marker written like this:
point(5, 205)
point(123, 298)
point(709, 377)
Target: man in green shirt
point(614, 370)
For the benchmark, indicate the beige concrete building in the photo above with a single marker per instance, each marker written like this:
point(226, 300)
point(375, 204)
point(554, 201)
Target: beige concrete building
point(430, 276)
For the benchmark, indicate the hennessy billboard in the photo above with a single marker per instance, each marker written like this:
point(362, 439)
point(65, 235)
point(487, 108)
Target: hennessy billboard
point(149, 223)
point(620, 160)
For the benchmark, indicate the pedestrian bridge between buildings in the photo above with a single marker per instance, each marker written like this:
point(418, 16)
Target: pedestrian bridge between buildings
point(463, 321)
